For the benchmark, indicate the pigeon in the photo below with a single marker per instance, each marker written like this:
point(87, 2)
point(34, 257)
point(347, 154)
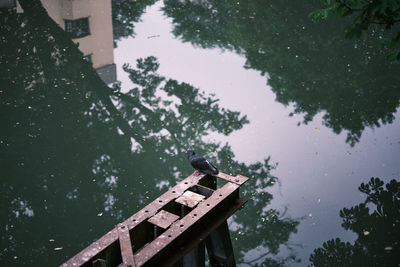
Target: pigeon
point(201, 164)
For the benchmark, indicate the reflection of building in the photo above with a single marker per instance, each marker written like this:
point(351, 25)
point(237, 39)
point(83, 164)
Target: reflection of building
point(90, 24)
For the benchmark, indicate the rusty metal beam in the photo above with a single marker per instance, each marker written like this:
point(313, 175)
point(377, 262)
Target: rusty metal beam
point(219, 247)
point(159, 233)
point(190, 199)
point(215, 206)
point(126, 246)
point(163, 219)
point(172, 254)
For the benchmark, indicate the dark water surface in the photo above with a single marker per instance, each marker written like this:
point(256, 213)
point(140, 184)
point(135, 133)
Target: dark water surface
point(255, 86)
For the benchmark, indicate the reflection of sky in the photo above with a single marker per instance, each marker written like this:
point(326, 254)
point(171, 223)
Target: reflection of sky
point(319, 172)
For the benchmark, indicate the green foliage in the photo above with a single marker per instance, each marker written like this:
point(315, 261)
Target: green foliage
point(335, 253)
point(322, 14)
point(377, 229)
point(125, 13)
point(197, 114)
point(308, 65)
point(385, 14)
point(81, 156)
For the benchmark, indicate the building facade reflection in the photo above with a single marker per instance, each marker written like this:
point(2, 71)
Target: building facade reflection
point(90, 24)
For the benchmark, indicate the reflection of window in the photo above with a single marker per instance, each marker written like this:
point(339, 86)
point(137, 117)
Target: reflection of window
point(78, 27)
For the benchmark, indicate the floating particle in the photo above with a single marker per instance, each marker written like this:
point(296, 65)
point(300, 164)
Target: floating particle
point(51, 240)
point(388, 248)
point(153, 36)
point(59, 248)
point(100, 214)
point(366, 233)
point(310, 214)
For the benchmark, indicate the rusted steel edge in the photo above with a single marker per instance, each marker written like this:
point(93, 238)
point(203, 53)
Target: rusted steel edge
point(126, 246)
point(207, 230)
point(172, 255)
point(173, 193)
point(238, 179)
point(220, 195)
point(93, 250)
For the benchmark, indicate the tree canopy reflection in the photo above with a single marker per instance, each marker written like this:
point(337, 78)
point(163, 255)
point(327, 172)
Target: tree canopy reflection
point(375, 221)
point(308, 65)
point(77, 156)
point(125, 14)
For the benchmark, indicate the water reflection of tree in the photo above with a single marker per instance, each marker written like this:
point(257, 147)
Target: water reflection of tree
point(308, 65)
point(377, 229)
point(125, 14)
point(78, 157)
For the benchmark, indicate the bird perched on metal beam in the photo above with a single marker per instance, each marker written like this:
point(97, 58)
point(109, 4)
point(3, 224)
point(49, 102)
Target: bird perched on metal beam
point(201, 164)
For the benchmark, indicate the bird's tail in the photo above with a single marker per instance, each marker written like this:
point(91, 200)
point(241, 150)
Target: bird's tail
point(214, 170)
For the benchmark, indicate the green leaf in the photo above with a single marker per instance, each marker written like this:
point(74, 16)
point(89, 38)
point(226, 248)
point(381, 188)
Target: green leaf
point(320, 14)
